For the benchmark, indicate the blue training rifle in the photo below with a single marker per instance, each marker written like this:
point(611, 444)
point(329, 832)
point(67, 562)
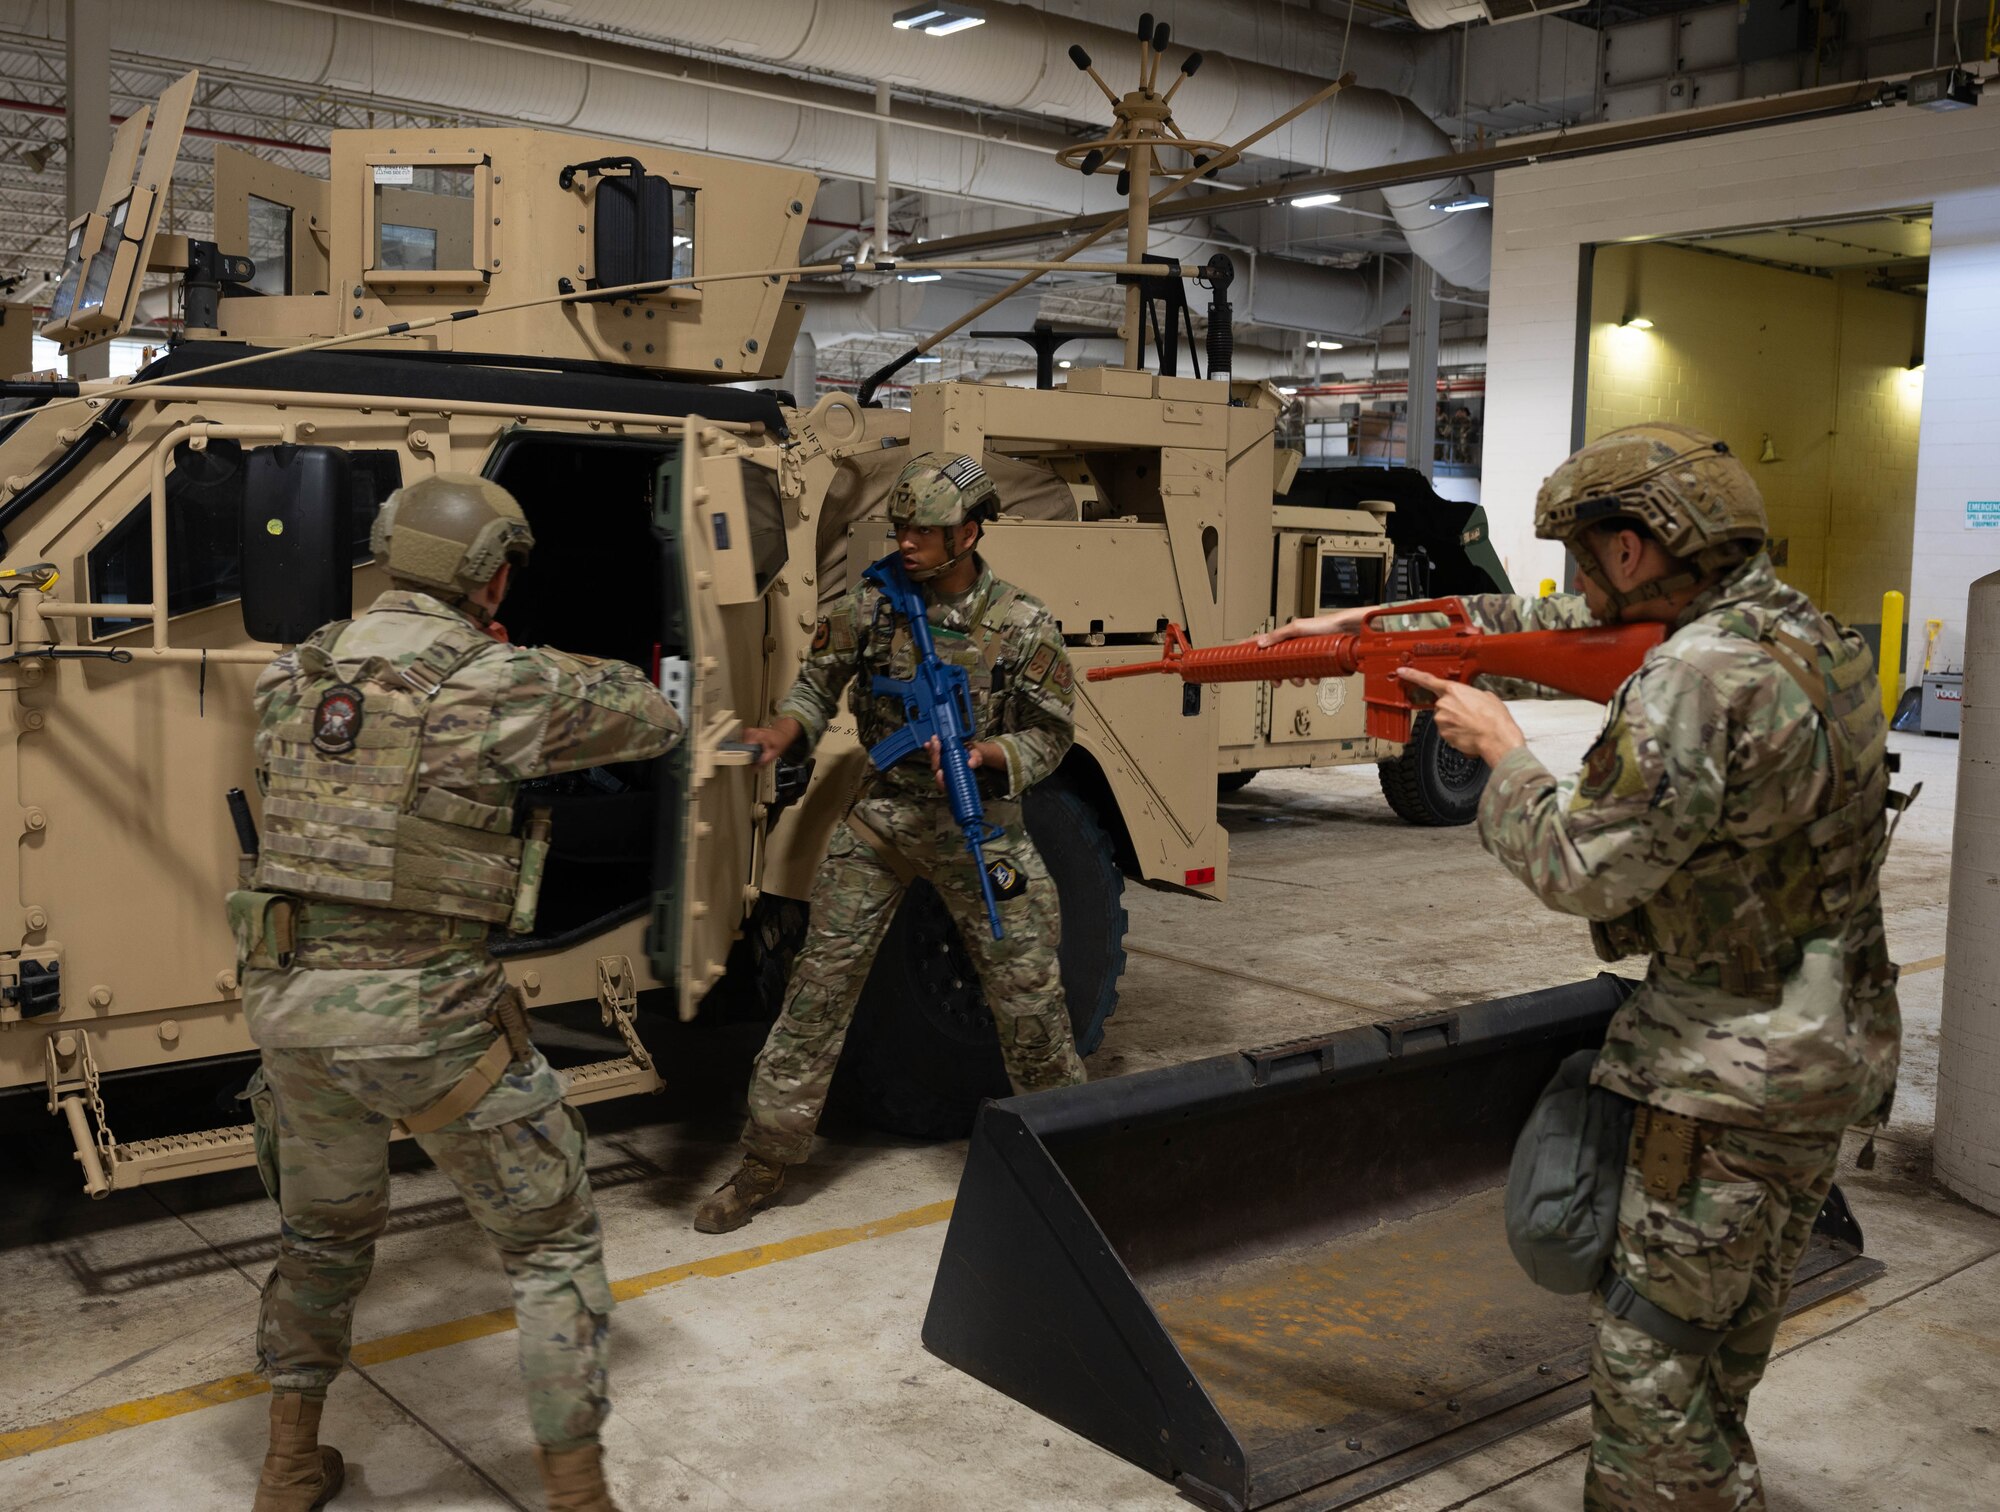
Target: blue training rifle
point(937, 705)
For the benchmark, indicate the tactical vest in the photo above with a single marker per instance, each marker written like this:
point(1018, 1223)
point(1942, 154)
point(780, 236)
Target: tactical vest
point(1738, 915)
point(978, 650)
point(346, 815)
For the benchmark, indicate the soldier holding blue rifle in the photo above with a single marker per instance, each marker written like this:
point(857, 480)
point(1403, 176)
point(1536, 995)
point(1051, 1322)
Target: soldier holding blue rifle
point(963, 708)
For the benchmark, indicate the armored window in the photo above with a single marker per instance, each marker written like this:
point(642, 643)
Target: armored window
point(97, 278)
point(271, 245)
point(1347, 582)
point(429, 224)
point(64, 302)
point(204, 532)
point(767, 523)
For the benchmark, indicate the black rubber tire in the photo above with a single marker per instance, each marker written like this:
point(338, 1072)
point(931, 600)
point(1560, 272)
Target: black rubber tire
point(1430, 783)
point(1233, 782)
point(922, 1053)
point(752, 990)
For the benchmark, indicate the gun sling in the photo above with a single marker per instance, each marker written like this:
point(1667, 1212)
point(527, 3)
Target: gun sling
point(878, 842)
point(510, 1044)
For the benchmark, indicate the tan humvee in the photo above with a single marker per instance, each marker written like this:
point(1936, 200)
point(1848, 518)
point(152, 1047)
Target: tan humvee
point(161, 541)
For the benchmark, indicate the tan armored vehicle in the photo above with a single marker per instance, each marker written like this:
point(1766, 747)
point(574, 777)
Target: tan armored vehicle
point(431, 306)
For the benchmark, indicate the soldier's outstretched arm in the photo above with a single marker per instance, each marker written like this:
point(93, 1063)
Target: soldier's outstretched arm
point(557, 713)
point(830, 665)
point(1651, 790)
point(1038, 724)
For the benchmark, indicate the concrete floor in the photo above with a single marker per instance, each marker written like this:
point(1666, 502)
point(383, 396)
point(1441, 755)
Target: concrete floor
point(780, 1367)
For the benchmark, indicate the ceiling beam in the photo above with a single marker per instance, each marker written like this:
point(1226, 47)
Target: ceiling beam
point(1515, 152)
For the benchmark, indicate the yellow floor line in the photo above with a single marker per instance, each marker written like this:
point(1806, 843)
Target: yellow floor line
point(153, 1409)
point(1928, 963)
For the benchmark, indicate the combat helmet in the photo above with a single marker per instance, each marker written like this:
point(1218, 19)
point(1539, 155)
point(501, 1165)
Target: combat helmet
point(1686, 487)
point(450, 533)
point(942, 489)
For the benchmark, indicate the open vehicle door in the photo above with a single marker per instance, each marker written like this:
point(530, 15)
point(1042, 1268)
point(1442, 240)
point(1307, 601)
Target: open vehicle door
point(710, 822)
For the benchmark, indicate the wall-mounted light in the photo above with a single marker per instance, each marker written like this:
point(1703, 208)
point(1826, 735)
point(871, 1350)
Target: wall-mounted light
point(1462, 202)
point(937, 20)
point(920, 277)
point(1635, 323)
point(1325, 346)
point(1314, 201)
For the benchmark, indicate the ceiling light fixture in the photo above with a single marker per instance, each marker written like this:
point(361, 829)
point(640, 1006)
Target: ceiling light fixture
point(937, 20)
point(1635, 323)
point(927, 358)
point(1064, 362)
point(1326, 346)
point(1462, 202)
point(1314, 201)
point(920, 277)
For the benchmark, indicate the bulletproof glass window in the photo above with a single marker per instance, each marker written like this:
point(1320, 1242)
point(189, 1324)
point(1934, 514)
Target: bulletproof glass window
point(767, 523)
point(424, 219)
point(98, 279)
point(72, 276)
point(1347, 582)
point(205, 532)
point(271, 245)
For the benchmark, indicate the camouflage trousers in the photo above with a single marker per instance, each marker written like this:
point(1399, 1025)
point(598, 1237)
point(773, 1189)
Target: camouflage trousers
point(323, 1132)
point(1669, 1428)
point(854, 899)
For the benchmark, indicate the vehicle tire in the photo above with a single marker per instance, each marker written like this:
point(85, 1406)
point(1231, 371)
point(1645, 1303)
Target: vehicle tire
point(1233, 782)
point(922, 1053)
point(752, 990)
point(1430, 783)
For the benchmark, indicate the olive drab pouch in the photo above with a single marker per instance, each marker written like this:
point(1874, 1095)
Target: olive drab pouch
point(263, 923)
point(1564, 1182)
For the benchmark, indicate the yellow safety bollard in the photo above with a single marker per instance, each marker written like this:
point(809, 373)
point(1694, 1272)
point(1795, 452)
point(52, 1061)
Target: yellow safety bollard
point(1890, 663)
point(1548, 587)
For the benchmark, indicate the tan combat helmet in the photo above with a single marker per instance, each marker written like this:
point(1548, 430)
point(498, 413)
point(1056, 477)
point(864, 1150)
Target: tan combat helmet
point(942, 489)
point(450, 533)
point(1683, 485)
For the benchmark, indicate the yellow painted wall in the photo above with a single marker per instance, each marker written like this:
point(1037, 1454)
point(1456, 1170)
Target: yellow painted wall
point(1820, 365)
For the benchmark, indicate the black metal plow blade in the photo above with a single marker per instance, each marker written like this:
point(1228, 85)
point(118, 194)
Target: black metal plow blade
point(1280, 1279)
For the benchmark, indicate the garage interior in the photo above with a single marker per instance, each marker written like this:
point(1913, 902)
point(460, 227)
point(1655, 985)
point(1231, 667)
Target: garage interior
point(1777, 223)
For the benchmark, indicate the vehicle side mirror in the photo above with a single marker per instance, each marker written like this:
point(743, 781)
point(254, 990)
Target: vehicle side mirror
point(298, 541)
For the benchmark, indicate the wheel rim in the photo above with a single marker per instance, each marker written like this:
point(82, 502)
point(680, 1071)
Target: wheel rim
point(1458, 771)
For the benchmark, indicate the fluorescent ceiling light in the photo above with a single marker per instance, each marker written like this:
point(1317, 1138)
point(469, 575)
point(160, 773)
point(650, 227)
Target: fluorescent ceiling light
point(1326, 346)
point(927, 358)
point(1288, 392)
point(1065, 362)
point(937, 20)
point(1462, 202)
point(1314, 201)
point(920, 277)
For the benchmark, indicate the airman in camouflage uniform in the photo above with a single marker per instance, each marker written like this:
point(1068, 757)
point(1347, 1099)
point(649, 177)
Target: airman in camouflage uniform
point(1730, 824)
point(900, 825)
point(389, 751)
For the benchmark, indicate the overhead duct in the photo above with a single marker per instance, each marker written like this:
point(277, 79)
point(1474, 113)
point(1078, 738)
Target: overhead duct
point(1442, 15)
point(1019, 61)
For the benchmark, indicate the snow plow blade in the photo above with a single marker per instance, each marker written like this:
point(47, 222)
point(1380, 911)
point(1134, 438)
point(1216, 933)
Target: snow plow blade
point(1279, 1279)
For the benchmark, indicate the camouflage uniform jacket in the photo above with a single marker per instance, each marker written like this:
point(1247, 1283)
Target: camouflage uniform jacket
point(1718, 806)
point(393, 982)
point(1023, 689)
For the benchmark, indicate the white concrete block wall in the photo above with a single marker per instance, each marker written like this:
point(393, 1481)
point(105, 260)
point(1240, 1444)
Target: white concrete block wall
point(1887, 159)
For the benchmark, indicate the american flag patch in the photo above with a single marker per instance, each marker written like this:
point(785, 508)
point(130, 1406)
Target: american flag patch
point(966, 473)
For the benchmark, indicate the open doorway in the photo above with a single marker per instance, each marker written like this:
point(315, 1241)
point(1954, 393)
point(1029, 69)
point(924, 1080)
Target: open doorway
point(595, 587)
point(1801, 345)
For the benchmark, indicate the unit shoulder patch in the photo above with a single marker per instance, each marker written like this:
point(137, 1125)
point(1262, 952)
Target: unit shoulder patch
point(1040, 664)
point(1611, 766)
point(1062, 677)
point(337, 720)
point(1007, 878)
point(822, 633)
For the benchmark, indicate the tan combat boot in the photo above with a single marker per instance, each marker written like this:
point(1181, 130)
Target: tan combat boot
point(300, 1473)
point(574, 1479)
point(752, 1186)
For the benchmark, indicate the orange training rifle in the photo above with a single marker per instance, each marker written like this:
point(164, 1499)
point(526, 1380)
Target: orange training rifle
point(1587, 663)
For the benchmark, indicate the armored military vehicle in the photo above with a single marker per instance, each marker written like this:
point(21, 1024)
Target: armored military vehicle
point(567, 316)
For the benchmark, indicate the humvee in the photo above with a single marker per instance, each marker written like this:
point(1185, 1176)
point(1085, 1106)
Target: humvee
point(434, 304)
